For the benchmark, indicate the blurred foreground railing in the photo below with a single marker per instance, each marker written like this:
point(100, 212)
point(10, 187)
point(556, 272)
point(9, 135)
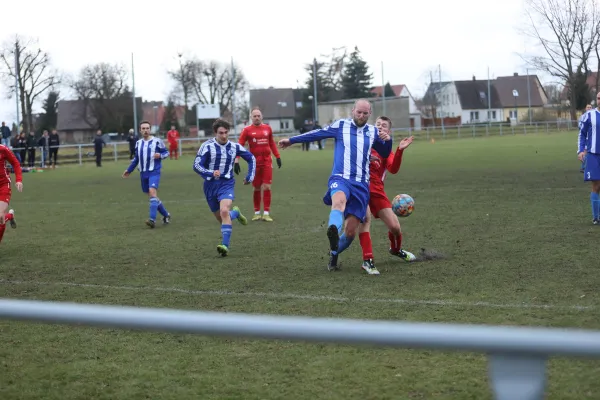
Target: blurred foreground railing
point(517, 356)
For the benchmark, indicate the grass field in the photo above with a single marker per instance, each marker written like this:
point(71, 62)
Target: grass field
point(510, 213)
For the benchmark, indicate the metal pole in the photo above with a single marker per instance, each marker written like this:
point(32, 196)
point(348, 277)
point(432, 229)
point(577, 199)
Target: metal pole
point(233, 97)
point(17, 72)
point(489, 98)
point(135, 120)
point(528, 97)
point(316, 110)
point(383, 90)
point(441, 102)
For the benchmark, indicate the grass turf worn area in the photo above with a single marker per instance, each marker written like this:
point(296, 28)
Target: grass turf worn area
point(510, 214)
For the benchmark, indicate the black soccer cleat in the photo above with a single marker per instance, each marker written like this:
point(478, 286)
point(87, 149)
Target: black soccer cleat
point(334, 237)
point(167, 219)
point(596, 222)
point(333, 262)
point(151, 223)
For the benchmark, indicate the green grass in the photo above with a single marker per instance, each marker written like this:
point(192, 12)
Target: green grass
point(510, 213)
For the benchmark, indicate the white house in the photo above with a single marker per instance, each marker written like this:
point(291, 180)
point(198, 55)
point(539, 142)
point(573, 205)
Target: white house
point(402, 91)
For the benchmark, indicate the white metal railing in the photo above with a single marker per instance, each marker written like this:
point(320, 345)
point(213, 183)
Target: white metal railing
point(517, 355)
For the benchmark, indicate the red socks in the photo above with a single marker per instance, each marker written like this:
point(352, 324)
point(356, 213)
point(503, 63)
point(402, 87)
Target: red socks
point(256, 200)
point(395, 242)
point(267, 200)
point(366, 245)
point(2, 229)
point(8, 217)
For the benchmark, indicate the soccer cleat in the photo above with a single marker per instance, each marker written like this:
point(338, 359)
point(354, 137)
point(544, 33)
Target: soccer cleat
point(334, 237)
point(223, 250)
point(167, 219)
point(267, 218)
point(243, 220)
point(403, 254)
point(333, 262)
point(257, 217)
point(595, 222)
point(369, 267)
point(13, 223)
point(151, 223)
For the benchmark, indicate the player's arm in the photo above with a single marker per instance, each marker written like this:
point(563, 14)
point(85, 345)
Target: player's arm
point(274, 148)
point(250, 159)
point(329, 132)
point(242, 141)
point(162, 149)
point(583, 133)
point(201, 160)
point(12, 160)
point(134, 162)
point(384, 148)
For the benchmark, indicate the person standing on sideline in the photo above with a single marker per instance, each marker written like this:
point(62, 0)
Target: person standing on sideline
point(5, 134)
point(173, 139)
point(99, 144)
point(132, 140)
point(31, 145)
point(44, 143)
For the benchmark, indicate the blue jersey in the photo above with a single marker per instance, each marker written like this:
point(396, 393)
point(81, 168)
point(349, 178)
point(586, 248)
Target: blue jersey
point(144, 155)
point(589, 133)
point(352, 147)
point(213, 156)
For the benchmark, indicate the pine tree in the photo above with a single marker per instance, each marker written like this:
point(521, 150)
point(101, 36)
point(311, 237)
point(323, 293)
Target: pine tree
point(49, 118)
point(169, 117)
point(357, 80)
point(388, 91)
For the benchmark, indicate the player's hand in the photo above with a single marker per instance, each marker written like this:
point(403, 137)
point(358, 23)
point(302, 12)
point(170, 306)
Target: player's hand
point(284, 143)
point(581, 156)
point(19, 186)
point(217, 174)
point(125, 174)
point(236, 168)
point(156, 156)
point(384, 135)
point(247, 182)
point(279, 162)
point(404, 143)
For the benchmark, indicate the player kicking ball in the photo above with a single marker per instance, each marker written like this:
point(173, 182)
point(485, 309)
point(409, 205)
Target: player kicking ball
point(149, 153)
point(6, 155)
point(214, 162)
point(380, 206)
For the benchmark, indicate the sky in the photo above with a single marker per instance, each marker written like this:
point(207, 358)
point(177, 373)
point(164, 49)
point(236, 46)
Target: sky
point(272, 41)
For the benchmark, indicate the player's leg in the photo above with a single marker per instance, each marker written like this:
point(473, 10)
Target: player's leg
point(336, 196)
point(3, 208)
point(256, 196)
point(395, 235)
point(592, 174)
point(226, 226)
point(145, 183)
point(364, 236)
point(267, 180)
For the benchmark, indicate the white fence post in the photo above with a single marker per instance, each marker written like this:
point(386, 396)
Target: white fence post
point(80, 160)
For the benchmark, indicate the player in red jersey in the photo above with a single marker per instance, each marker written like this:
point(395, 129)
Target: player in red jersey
point(172, 138)
point(379, 205)
point(6, 155)
point(260, 139)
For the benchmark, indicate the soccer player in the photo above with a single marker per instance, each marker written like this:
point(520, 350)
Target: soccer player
point(260, 139)
point(587, 108)
point(214, 162)
point(6, 155)
point(379, 205)
point(589, 149)
point(149, 153)
point(173, 137)
point(348, 186)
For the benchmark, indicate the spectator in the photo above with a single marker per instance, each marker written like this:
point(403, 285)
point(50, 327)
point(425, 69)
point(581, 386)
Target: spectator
point(131, 139)
point(53, 143)
point(5, 131)
point(99, 144)
point(22, 147)
point(44, 142)
point(31, 144)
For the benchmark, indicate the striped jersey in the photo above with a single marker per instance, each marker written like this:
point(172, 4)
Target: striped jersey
point(144, 153)
point(589, 133)
point(352, 148)
point(213, 156)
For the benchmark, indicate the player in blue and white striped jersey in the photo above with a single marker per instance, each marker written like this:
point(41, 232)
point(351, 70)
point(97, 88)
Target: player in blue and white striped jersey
point(214, 162)
point(587, 108)
point(348, 186)
point(148, 155)
point(588, 149)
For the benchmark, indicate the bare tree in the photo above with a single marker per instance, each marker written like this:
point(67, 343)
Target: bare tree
point(23, 59)
point(567, 31)
point(333, 68)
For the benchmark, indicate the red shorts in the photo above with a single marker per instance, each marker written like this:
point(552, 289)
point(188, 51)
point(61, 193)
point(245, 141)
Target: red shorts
point(377, 202)
point(172, 145)
point(5, 192)
point(264, 174)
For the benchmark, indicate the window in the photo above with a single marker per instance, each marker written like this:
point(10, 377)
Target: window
point(474, 115)
point(512, 114)
point(482, 95)
point(298, 104)
point(491, 115)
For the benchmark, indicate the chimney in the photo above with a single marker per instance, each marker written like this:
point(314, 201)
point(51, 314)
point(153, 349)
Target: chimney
point(474, 78)
point(516, 74)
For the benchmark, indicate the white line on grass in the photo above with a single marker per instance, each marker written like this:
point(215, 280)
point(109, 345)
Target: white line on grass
point(293, 296)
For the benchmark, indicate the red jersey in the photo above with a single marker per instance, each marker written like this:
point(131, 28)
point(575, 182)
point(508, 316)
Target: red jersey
point(172, 135)
point(6, 155)
point(379, 167)
point(260, 140)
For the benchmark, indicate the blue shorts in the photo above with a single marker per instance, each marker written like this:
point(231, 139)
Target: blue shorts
point(217, 190)
point(357, 196)
point(150, 180)
point(592, 167)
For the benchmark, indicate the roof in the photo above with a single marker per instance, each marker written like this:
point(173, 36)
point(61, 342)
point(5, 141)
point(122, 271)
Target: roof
point(274, 103)
point(506, 84)
point(473, 95)
point(149, 113)
point(379, 90)
point(73, 114)
point(433, 88)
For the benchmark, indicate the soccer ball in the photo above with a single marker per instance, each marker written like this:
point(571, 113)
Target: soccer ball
point(403, 205)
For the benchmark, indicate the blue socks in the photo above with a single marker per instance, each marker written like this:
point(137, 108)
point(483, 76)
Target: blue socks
point(162, 210)
point(234, 214)
point(595, 202)
point(336, 217)
point(226, 232)
point(344, 243)
point(153, 208)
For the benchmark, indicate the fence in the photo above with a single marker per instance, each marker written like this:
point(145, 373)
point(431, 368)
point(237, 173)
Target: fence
point(115, 151)
point(517, 355)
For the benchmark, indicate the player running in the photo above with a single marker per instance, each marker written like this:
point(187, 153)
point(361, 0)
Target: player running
point(149, 153)
point(6, 155)
point(379, 205)
point(260, 139)
point(173, 139)
point(589, 150)
point(214, 162)
point(348, 186)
